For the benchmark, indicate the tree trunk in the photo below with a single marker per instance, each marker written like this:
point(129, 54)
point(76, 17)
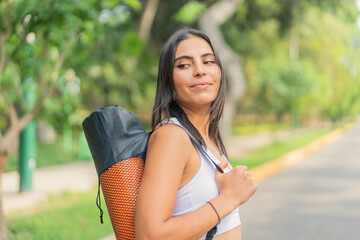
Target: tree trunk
point(3, 231)
point(210, 22)
point(293, 45)
point(148, 19)
point(6, 143)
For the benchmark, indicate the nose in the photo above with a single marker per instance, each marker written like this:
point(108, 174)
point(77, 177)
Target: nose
point(199, 70)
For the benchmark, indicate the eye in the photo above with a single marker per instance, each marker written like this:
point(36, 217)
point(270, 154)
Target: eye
point(182, 66)
point(209, 61)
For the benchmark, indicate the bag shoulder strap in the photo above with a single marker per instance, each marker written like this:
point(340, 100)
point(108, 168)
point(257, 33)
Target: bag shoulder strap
point(197, 145)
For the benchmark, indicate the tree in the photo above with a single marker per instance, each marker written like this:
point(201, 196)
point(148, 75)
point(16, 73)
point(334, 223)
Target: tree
point(36, 38)
point(284, 88)
point(273, 35)
point(210, 22)
point(148, 19)
point(326, 39)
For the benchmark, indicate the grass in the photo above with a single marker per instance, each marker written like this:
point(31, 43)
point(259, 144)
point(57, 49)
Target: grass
point(278, 149)
point(66, 216)
point(245, 129)
point(47, 154)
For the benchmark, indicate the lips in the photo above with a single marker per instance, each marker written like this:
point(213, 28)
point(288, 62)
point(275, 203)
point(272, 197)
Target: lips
point(201, 85)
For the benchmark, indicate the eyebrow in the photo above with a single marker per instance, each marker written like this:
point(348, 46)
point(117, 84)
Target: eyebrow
point(191, 58)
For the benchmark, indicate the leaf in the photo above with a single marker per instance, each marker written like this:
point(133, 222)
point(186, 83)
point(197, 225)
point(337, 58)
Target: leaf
point(190, 12)
point(134, 4)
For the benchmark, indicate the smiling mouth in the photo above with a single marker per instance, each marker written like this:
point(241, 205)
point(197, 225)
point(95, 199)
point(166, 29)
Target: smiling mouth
point(201, 85)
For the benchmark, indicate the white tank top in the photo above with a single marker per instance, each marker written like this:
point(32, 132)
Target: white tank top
point(202, 188)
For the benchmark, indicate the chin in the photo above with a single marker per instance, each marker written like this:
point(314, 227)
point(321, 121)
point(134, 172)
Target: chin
point(203, 102)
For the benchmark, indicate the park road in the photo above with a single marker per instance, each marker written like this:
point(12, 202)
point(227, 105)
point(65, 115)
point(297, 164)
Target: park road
point(318, 199)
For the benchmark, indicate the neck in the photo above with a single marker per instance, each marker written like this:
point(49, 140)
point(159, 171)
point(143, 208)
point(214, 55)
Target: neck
point(200, 119)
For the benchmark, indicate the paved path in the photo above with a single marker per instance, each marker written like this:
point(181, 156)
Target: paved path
point(317, 199)
point(74, 177)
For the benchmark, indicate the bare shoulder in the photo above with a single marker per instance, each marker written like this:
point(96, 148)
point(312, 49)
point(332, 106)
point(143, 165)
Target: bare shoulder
point(169, 134)
point(168, 152)
point(169, 143)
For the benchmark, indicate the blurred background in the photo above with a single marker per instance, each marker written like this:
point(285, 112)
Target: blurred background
point(293, 72)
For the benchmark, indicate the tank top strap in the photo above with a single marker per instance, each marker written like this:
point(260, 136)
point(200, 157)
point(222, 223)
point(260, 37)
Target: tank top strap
point(200, 148)
point(174, 121)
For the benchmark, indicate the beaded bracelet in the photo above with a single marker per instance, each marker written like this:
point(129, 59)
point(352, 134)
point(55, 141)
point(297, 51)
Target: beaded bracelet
point(214, 210)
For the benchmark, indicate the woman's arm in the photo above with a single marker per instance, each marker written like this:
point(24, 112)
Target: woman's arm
point(169, 151)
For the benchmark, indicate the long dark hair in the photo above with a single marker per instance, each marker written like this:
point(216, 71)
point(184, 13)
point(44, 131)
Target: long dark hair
point(165, 105)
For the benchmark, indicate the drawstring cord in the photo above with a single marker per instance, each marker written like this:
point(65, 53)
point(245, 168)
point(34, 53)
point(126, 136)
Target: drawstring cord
point(210, 234)
point(98, 203)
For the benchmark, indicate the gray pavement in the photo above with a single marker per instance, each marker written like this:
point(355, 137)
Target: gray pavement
point(317, 199)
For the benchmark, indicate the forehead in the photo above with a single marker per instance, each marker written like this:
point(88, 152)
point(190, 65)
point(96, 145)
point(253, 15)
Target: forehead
point(193, 46)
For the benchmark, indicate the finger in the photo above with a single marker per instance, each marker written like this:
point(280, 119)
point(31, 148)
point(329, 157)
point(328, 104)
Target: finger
point(223, 165)
point(243, 167)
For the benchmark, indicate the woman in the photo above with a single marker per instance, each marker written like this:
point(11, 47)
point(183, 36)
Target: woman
point(182, 195)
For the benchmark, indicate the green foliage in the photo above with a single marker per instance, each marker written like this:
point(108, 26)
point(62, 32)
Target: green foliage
point(122, 74)
point(321, 80)
point(134, 4)
point(65, 216)
point(63, 110)
point(40, 37)
point(190, 12)
point(283, 87)
point(248, 129)
point(47, 154)
point(9, 79)
point(118, 15)
point(105, 59)
point(332, 55)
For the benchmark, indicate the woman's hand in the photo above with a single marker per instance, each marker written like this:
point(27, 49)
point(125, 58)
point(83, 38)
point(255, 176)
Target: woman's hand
point(236, 185)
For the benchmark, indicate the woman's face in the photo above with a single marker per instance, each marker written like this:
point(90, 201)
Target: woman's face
point(196, 74)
